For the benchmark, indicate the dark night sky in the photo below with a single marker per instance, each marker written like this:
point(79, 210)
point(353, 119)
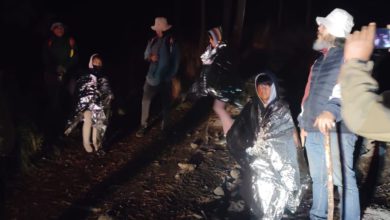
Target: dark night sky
point(113, 26)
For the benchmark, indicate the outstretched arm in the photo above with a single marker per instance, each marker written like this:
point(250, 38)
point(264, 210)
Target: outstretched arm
point(362, 109)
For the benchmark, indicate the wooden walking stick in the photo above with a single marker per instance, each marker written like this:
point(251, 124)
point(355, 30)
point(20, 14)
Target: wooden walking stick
point(329, 166)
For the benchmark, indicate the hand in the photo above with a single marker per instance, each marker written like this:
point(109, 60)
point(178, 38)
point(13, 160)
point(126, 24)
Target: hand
point(303, 135)
point(325, 121)
point(153, 58)
point(360, 44)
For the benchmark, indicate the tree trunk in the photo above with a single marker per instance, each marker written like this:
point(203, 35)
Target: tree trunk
point(202, 23)
point(227, 18)
point(238, 24)
point(308, 13)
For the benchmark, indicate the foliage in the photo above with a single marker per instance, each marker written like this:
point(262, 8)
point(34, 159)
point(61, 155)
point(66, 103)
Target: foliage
point(29, 144)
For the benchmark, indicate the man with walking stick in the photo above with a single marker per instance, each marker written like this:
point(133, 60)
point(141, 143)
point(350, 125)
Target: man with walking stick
point(321, 116)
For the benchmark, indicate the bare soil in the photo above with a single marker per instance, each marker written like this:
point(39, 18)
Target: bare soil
point(140, 178)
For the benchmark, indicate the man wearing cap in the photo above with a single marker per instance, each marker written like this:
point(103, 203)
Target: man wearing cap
point(60, 57)
point(162, 53)
point(321, 115)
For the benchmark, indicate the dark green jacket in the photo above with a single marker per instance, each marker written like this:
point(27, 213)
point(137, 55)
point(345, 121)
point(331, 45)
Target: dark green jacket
point(61, 51)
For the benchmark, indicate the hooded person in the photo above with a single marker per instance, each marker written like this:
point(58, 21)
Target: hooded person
point(261, 140)
point(218, 75)
point(218, 78)
point(94, 98)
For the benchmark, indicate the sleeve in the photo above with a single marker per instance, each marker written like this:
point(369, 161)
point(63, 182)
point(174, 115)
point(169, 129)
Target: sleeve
point(148, 50)
point(362, 108)
point(334, 105)
point(174, 58)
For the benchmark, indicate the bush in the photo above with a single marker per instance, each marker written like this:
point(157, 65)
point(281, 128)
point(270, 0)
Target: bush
point(29, 144)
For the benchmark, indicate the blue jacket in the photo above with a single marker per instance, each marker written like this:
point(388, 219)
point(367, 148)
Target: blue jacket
point(324, 76)
point(168, 59)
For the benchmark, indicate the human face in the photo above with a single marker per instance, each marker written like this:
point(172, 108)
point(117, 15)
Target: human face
point(159, 33)
point(59, 31)
point(264, 92)
point(324, 38)
point(97, 62)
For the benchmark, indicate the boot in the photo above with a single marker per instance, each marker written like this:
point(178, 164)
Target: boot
point(87, 131)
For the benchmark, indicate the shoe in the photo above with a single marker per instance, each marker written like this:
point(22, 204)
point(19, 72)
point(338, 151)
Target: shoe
point(141, 131)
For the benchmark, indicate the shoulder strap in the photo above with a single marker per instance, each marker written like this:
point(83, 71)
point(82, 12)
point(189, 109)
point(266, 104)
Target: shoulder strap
point(72, 42)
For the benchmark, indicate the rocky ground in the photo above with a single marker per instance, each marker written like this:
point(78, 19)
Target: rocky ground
point(184, 174)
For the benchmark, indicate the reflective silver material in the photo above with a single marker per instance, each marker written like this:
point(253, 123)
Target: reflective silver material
point(262, 141)
point(273, 163)
point(218, 76)
point(95, 95)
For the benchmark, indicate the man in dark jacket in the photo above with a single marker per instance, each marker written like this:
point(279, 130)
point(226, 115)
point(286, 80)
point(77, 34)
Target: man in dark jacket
point(321, 112)
point(60, 57)
point(162, 53)
point(261, 140)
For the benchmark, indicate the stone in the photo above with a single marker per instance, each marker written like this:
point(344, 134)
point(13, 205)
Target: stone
point(219, 191)
point(235, 174)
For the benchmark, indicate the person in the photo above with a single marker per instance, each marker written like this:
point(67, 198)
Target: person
point(93, 105)
point(364, 111)
point(261, 140)
point(162, 53)
point(217, 78)
point(320, 110)
point(60, 57)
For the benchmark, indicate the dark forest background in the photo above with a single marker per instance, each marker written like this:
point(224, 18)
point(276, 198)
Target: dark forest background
point(275, 35)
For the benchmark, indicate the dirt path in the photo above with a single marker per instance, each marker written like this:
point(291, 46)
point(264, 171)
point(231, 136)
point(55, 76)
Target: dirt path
point(184, 175)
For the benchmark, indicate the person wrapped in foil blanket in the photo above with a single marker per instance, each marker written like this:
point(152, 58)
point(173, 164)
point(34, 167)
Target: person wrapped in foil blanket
point(262, 141)
point(94, 95)
point(218, 77)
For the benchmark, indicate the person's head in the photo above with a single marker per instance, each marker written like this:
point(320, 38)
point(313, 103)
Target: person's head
point(265, 88)
point(337, 24)
point(160, 25)
point(58, 29)
point(95, 62)
point(215, 36)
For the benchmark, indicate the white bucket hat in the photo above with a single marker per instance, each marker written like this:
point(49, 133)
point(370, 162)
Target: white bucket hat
point(339, 22)
point(161, 23)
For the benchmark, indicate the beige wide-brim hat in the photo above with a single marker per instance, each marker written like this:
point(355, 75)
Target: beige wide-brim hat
point(339, 22)
point(160, 24)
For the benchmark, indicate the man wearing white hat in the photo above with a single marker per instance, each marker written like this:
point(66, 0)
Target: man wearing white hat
point(321, 114)
point(162, 53)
